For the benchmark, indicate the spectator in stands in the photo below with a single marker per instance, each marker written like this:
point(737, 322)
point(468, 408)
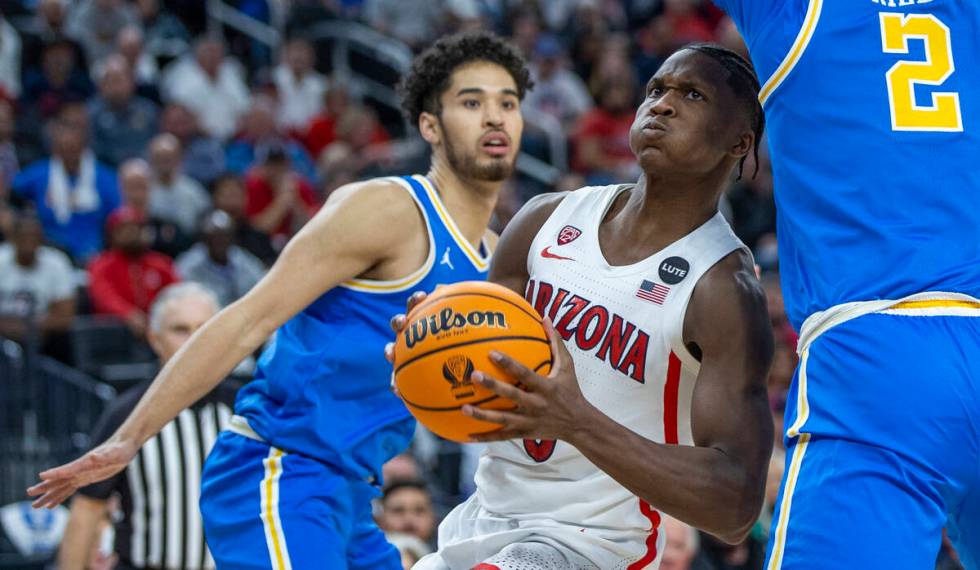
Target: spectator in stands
point(402, 467)
point(753, 205)
point(682, 544)
point(654, 43)
point(164, 34)
point(415, 23)
point(210, 85)
point(228, 193)
point(260, 133)
point(278, 200)
point(162, 234)
point(96, 23)
point(218, 263)
point(122, 122)
point(323, 129)
point(47, 24)
point(9, 160)
point(613, 63)
point(558, 92)
point(145, 72)
point(60, 79)
point(159, 525)
point(37, 285)
point(72, 192)
point(687, 22)
point(204, 156)
point(124, 280)
point(363, 145)
point(300, 87)
point(174, 196)
point(406, 507)
point(9, 59)
point(602, 151)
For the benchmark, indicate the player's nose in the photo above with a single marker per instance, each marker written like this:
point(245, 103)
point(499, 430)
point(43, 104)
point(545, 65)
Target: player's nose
point(662, 106)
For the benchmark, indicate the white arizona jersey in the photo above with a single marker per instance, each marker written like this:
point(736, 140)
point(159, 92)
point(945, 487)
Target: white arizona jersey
point(623, 326)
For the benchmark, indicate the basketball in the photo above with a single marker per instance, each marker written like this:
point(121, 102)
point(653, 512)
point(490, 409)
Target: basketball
point(448, 337)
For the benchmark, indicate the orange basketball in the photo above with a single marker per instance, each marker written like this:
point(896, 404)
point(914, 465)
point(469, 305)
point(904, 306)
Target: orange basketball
point(449, 336)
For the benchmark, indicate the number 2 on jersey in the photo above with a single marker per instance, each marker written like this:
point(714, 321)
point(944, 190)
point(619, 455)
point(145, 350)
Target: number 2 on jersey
point(943, 114)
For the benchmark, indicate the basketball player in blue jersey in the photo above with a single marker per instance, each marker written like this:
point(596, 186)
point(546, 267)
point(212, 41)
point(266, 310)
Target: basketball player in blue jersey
point(873, 108)
point(290, 485)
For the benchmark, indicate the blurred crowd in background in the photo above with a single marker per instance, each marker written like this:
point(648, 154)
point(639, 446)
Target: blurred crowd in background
point(147, 142)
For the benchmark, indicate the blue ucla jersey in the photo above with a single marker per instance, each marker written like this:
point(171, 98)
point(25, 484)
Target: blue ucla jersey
point(322, 386)
point(873, 110)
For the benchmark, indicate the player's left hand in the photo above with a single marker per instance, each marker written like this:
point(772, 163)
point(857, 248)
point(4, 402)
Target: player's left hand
point(548, 407)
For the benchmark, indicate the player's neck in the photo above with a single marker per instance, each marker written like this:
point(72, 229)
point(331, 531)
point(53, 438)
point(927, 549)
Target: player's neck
point(667, 210)
point(470, 202)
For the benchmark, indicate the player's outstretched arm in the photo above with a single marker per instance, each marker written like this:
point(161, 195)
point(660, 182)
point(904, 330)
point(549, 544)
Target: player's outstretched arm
point(362, 226)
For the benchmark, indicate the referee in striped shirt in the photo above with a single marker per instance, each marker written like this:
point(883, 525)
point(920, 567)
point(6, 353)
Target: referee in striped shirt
point(160, 527)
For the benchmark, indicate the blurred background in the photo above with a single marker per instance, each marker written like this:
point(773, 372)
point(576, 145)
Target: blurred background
point(148, 142)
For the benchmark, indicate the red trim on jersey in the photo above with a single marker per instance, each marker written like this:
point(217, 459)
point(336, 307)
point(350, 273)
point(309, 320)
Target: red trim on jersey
point(485, 566)
point(651, 553)
point(670, 398)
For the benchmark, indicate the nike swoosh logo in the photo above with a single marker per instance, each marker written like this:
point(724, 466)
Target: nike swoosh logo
point(547, 254)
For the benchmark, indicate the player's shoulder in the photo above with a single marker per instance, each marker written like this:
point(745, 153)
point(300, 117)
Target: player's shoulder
point(388, 191)
point(381, 205)
point(730, 287)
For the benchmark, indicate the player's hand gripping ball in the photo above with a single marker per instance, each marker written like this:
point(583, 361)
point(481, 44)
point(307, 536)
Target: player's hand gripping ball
point(449, 336)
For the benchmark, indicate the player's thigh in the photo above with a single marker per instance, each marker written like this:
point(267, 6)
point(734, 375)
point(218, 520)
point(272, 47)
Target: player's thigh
point(264, 508)
point(849, 505)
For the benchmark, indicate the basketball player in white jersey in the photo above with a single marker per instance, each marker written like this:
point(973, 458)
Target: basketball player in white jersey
point(657, 399)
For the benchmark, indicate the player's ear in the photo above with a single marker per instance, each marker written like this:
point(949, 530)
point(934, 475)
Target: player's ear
point(429, 128)
point(743, 145)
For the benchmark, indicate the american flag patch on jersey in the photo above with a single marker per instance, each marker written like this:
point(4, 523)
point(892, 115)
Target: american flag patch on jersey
point(653, 292)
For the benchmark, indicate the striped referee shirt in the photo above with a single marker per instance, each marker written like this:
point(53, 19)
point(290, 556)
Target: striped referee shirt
point(161, 526)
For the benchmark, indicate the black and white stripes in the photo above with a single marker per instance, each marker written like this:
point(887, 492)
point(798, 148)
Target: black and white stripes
point(163, 486)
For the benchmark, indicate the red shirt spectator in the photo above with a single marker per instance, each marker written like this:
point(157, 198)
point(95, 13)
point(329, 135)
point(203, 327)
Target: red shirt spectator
point(324, 129)
point(602, 145)
point(124, 280)
point(278, 201)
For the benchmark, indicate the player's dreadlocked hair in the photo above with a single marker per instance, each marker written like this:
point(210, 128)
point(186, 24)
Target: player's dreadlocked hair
point(744, 82)
point(428, 78)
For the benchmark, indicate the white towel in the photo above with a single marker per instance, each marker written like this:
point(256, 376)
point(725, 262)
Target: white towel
point(62, 198)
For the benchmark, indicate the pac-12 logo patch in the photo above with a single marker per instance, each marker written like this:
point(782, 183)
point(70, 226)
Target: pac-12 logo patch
point(673, 270)
point(568, 234)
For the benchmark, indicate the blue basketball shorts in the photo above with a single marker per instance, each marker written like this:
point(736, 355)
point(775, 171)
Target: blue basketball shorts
point(265, 509)
point(883, 442)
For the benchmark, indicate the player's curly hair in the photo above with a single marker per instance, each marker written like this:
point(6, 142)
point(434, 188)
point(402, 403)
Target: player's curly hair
point(745, 84)
point(430, 74)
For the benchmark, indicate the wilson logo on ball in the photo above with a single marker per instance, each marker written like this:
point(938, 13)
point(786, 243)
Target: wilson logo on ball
point(457, 370)
point(448, 320)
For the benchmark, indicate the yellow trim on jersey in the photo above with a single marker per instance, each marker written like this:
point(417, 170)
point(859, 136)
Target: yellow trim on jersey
point(269, 491)
point(793, 472)
point(369, 286)
point(795, 53)
point(937, 303)
point(481, 263)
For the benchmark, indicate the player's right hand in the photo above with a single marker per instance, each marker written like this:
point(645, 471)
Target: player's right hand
point(398, 322)
point(104, 461)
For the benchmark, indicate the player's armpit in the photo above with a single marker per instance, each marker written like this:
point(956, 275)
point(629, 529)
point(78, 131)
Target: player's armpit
point(509, 264)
